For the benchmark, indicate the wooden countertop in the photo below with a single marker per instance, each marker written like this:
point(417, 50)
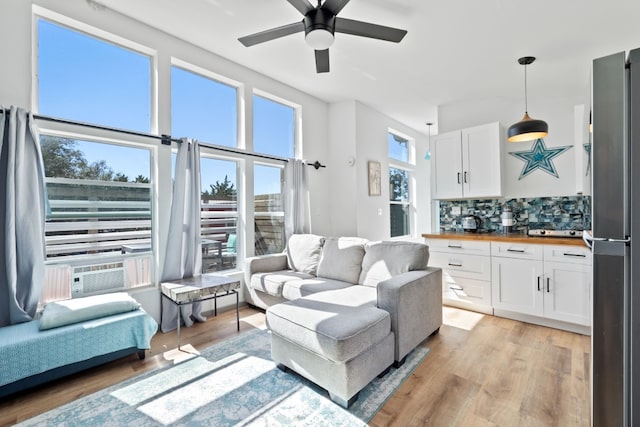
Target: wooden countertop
point(498, 237)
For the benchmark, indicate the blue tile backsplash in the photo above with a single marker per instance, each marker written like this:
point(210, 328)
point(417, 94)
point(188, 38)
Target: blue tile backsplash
point(550, 213)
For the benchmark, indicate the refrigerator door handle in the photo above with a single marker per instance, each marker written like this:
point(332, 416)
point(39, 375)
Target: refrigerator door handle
point(627, 240)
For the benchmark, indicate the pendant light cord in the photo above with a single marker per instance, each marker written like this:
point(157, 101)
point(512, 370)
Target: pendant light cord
point(526, 106)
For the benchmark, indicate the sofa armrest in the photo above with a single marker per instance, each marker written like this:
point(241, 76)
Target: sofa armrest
point(414, 301)
point(263, 264)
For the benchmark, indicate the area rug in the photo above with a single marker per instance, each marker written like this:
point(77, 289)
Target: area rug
point(234, 383)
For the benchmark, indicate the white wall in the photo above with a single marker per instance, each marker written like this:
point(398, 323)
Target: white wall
point(365, 138)
point(557, 112)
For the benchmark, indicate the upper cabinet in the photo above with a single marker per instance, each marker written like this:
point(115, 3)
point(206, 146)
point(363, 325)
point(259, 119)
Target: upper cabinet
point(467, 163)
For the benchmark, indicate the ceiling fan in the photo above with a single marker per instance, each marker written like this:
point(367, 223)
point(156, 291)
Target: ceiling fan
point(319, 24)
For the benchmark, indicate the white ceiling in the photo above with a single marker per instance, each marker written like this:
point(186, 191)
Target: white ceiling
point(455, 50)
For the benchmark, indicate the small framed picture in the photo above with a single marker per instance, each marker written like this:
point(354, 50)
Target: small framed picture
point(375, 176)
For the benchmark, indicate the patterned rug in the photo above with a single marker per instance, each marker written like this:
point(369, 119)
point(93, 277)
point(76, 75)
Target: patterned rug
point(231, 383)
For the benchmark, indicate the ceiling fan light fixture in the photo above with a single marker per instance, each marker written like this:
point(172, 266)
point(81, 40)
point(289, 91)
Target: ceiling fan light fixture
point(527, 129)
point(319, 39)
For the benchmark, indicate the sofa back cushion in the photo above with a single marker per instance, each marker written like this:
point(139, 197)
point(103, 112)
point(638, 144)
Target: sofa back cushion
point(303, 252)
point(342, 258)
point(383, 260)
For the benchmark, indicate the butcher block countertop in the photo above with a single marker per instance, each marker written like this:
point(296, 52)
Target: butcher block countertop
point(499, 237)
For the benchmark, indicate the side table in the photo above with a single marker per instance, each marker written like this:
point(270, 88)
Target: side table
point(201, 288)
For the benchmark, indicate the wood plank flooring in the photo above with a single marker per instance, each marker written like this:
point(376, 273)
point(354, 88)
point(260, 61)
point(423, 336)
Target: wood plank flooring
point(481, 371)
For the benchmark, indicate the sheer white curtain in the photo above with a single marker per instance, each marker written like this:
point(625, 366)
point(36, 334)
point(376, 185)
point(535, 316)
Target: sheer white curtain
point(23, 199)
point(296, 198)
point(184, 247)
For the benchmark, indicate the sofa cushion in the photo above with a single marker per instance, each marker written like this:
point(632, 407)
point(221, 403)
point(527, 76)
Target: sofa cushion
point(338, 325)
point(303, 252)
point(272, 282)
point(68, 312)
point(383, 260)
point(301, 288)
point(342, 258)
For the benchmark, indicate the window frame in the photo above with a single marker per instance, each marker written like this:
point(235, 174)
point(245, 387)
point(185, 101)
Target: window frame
point(39, 12)
point(409, 167)
point(297, 121)
point(240, 90)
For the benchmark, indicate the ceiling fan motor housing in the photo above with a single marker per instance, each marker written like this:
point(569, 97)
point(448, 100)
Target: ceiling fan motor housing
point(319, 19)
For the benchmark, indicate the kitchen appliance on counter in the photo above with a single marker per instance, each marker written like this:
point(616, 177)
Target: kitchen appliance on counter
point(555, 233)
point(507, 220)
point(615, 340)
point(471, 223)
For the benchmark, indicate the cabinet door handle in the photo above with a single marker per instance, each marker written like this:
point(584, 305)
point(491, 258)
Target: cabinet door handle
point(578, 255)
point(455, 246)
point(456, 288)
point(458, 177)
point(520, 251)
point(538, 283)
point(465, 177)
point(548, 280)
point(455, 265)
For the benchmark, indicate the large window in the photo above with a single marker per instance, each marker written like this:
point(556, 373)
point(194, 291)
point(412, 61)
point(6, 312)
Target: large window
point(399, 188)
point(203, 108)
point(83, 78)
point(268, 209)
point(273, 127)
point(219, 214)
point(99, 222)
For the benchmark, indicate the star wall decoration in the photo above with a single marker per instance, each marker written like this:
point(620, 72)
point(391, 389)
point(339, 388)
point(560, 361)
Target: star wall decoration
point(539, 157)
point(587, 148)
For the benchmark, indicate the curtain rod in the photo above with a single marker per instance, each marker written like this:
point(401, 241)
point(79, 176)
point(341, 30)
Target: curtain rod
point(164, 139)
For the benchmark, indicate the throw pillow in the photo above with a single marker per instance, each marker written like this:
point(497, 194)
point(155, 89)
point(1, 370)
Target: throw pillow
point(303, 252)
point(383, 260)
point(67, 312)
point(342, 258)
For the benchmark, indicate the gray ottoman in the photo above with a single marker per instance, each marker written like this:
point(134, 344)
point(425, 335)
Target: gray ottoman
point(338, 339)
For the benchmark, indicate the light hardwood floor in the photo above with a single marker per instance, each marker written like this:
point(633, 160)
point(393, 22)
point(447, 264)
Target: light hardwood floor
point(481, 371)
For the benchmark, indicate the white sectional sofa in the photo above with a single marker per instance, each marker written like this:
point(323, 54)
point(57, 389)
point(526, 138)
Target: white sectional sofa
point(342, 309)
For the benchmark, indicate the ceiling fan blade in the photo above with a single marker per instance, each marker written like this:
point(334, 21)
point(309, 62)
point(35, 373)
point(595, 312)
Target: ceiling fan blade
point(334, 6)
point(273, 33)
point(366, 29)
point(322, 61)
point(303, 6)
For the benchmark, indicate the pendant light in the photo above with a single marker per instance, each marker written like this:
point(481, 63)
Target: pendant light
point(527, 129)
point(427, 156)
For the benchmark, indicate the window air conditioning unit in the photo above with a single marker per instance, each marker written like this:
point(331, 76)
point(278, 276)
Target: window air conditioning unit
point(97, 279)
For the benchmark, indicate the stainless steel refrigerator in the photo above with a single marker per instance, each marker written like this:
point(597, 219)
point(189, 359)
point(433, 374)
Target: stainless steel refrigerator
point(616, 218)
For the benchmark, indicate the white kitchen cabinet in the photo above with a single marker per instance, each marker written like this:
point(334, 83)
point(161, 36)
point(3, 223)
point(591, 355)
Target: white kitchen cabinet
point(548, 281)
point(567, 284)
point(516, 278)
point(466, 272)
point(467, 163)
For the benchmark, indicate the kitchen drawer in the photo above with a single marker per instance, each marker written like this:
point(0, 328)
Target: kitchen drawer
point(469, 247)
point(517, 250)
point(569, 254)
point(461, 265)
point(469, 290)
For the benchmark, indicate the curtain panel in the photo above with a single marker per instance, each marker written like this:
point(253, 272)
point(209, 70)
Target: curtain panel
point(22, 215)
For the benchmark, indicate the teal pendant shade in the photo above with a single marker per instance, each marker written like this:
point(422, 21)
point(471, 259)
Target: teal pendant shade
point(427, 155)
point(527, 129)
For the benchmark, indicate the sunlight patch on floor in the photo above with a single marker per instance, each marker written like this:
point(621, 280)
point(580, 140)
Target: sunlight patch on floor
point(461, 319)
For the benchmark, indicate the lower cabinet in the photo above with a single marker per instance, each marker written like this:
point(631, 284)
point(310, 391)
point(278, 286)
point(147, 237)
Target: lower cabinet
point(537, 283)
point(466, 272)
point(551, 282)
